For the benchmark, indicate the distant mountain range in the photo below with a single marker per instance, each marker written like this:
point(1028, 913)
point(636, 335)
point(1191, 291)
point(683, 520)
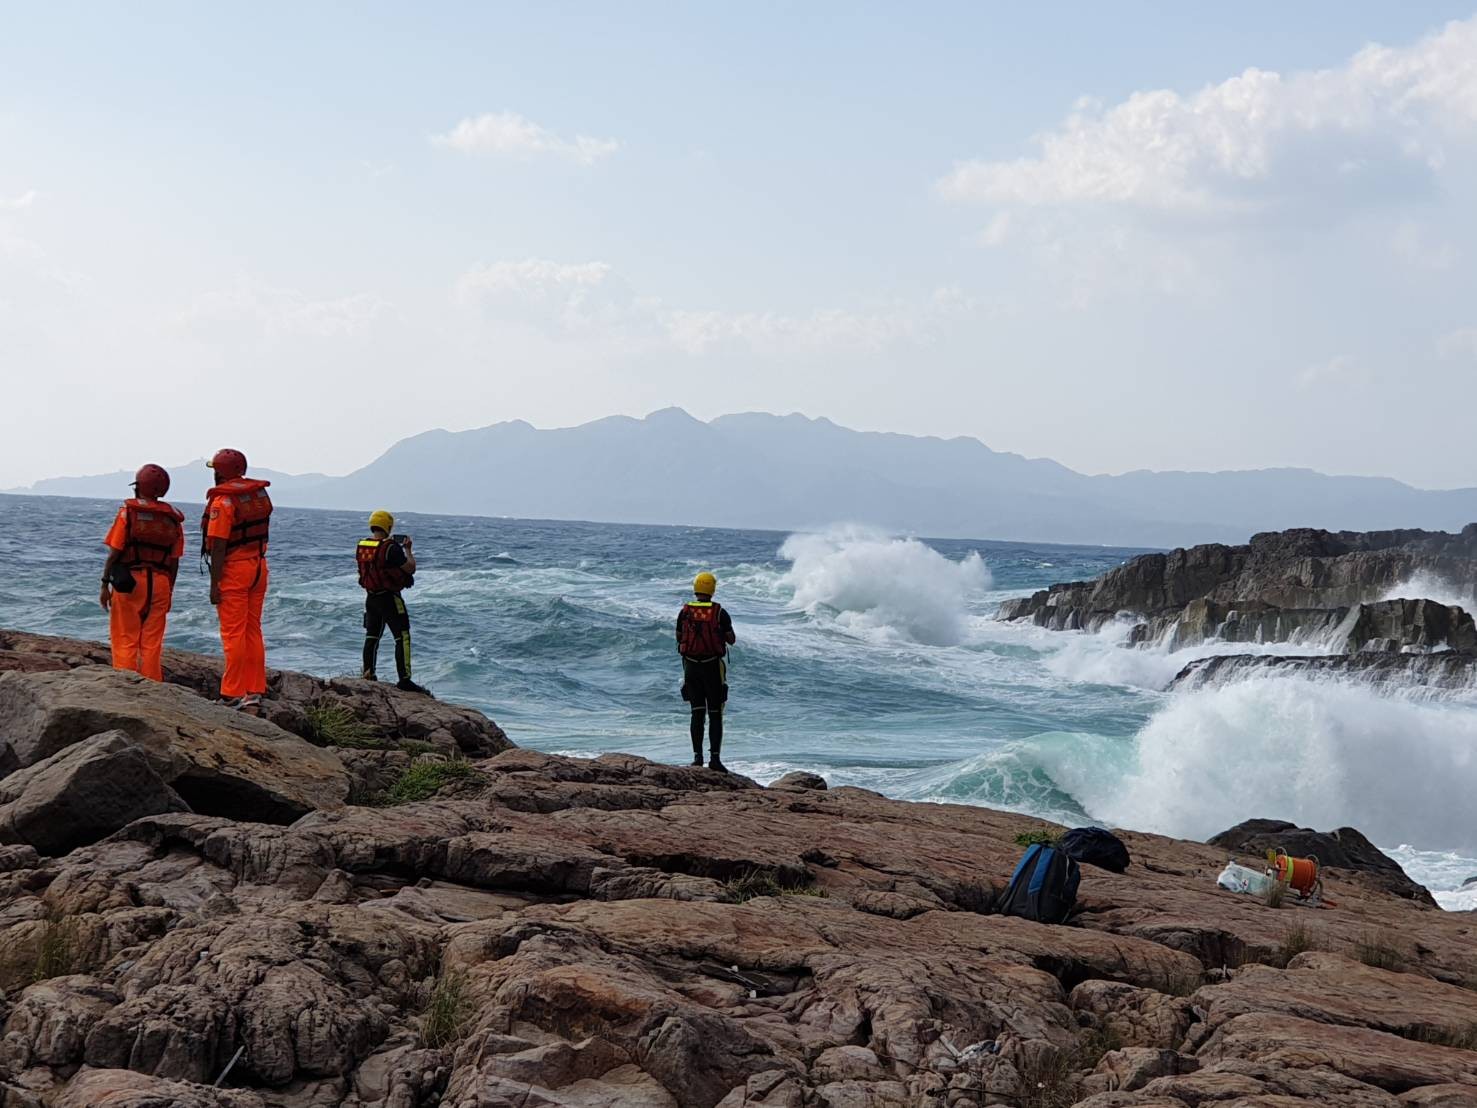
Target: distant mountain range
point(793, 473)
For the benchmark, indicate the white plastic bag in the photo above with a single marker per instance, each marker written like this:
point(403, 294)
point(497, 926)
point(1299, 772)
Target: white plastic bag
point(1240, 879)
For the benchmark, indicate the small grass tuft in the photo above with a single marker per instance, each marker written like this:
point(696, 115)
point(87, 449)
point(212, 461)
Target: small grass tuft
point(1047, 1079)
point(1379, 949)
point(1297, 939)
point(333, 723)
point(759, 883)
point(1045, 836)
point(448, 1011)
point(1462, 1038)
point(1094, 1045)
point(415, 748)
point(1176, 981)
point(424, 779)
point(58, 955)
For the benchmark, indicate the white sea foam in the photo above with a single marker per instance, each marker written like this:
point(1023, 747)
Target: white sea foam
point(1443, 872)
point(1103, 658)
point(875, 583)
point(1428, 587)
point(1320, 753)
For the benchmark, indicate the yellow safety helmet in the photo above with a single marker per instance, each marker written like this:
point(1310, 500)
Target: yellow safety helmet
point(383, 520)
point(705, 583)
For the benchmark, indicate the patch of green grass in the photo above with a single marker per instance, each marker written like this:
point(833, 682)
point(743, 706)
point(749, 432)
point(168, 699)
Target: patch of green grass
point(59, 954)
point(1379, 949)
point(759, 883)
point(424, 779)
point(1044, 836)
point(415, 748)
point(333, 723)
point(448, 1011)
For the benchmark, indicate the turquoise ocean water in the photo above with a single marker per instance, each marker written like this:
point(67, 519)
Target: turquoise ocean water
point(872, 659)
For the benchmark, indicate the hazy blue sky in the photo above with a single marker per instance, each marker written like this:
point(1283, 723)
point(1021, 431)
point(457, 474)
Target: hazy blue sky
point(1120, 235)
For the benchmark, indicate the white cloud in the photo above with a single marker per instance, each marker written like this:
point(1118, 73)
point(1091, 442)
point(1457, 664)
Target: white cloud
point(1341, 370)
point(589, 296)
point(273, 313)
point(1359, 134)
point(536, 277)
point(510, 135)
point(1414, 245)
point(1461, 343)
point(16, 203)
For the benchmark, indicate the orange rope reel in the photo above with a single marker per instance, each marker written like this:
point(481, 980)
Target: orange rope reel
point(1298, 874)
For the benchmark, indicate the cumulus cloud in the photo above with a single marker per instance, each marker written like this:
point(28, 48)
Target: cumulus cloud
point(16, 203)
point(510, 135)
point(588, 296)
point(1360, 134)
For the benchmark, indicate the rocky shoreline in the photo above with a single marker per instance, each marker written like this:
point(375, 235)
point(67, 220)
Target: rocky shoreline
point(372, 899)
point(1329, 591)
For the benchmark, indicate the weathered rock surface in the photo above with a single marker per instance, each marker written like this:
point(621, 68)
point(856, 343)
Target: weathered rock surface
point(1287, 586)
point(216, 759)
point(386, 715)
point(1343, 848)
point(613, 932)
point(82, 793)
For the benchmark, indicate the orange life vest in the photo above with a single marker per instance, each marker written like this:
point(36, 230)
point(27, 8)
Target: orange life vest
point(153, 533)
point(375, 572)
point(700, 630)
point(253, 512)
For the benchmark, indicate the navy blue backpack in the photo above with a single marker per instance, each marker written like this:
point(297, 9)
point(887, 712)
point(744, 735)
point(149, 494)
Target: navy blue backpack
point(1043, 887)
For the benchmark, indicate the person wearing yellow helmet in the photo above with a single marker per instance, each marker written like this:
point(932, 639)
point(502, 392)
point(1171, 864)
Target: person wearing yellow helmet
point(386, 568)
point(704, 634)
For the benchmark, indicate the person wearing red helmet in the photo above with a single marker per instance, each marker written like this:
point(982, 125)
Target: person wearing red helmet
point(145, 545)
point(237, 516)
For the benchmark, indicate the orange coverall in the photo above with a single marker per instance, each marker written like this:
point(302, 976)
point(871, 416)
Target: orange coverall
point(243, 590)
point(136, 619)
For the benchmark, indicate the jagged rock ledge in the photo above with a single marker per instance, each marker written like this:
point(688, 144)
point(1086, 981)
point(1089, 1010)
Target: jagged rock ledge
point(1449, 671)
point(532, 930)
point(1286, 586)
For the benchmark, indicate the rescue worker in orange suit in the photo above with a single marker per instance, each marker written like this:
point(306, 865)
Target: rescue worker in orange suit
point(386, 568)
point(704, 634)
point(236, 523)
point(145, 545)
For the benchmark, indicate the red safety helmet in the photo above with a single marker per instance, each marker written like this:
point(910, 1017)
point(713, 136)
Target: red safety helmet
point(227, 464)
point(151, 480)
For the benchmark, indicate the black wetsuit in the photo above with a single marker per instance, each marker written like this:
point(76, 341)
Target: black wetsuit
point(387, 609)
point(705, 688)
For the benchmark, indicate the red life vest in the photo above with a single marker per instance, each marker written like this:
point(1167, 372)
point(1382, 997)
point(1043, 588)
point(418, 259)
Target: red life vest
point(153, 533)
point(253, 511)
point(375, 572)
point(700, 630)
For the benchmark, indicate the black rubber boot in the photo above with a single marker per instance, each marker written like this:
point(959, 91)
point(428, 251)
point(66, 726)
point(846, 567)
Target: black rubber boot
point(714, 746)
point(405, 684)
